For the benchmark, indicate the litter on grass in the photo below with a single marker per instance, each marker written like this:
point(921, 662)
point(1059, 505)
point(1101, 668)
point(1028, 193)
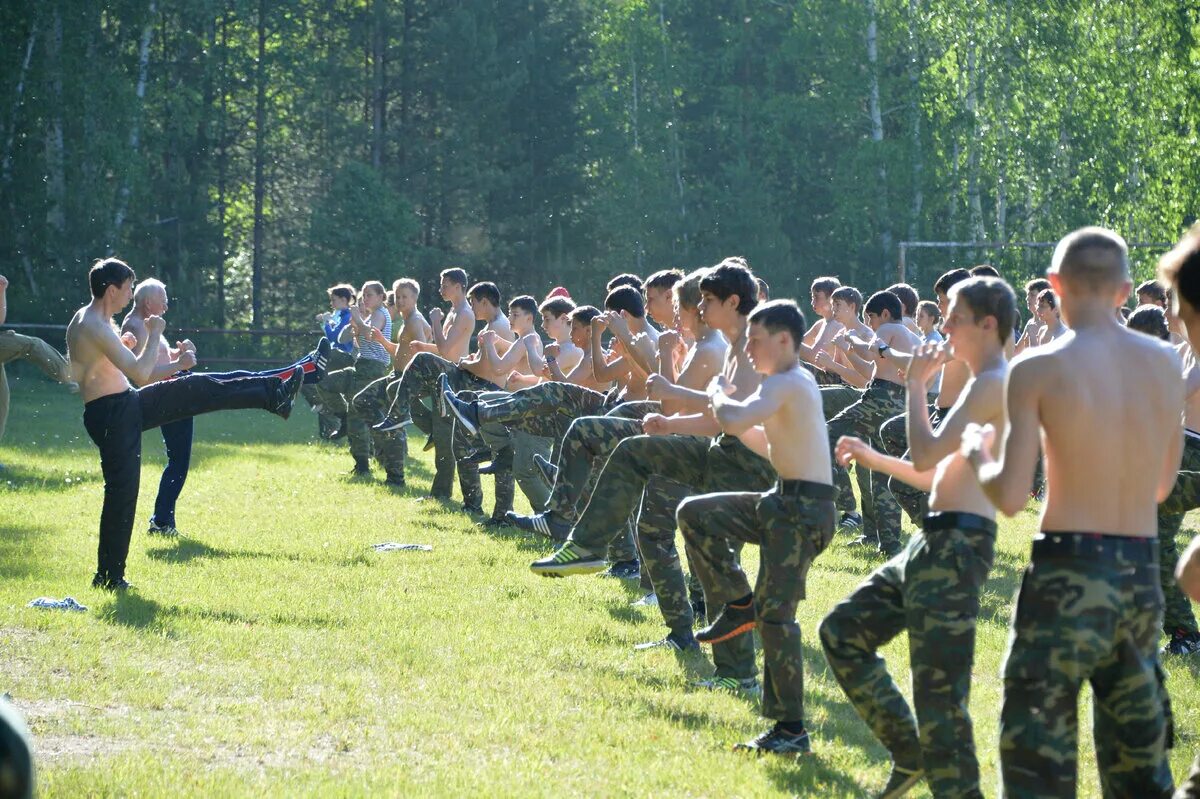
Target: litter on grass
point(50, 603)
point(392, 546)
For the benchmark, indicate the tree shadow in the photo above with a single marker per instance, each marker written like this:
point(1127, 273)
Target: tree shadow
point(19, 548)
point(189, 549)
point(130, 609)
point(21, 476)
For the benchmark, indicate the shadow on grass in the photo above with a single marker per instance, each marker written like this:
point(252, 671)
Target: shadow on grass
point(21, 477)
point(189, 549)
point(997, 600)
point(19, 550)
point(130, 609)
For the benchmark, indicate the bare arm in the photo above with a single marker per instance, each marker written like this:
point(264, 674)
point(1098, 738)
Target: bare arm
point(459, 332)
point(854, 449)
point(601, 371)
point(137, 367)
point(3, 299)
point(696, 424)
point(1006, 481)
point(738, 416)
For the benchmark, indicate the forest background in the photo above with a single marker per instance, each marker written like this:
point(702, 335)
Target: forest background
point(252, 152)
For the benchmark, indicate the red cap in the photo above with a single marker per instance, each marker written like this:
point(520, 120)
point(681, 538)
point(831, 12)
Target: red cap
point(558, 291)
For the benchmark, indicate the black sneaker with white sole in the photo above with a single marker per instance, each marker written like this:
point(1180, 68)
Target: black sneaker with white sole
point(467, 413)
point(678, 642)
point(286, 393)
point(625, 570)
point(440, 399)
point(541, 523)
point(546, 469)
point(777, 741)
point(321, 361)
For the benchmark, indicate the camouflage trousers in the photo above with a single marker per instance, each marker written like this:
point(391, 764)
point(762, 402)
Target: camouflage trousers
point(336, 393)
point(371, 404)
point(1089, 608)
point(893, 434)
point(881, 515)
point(662, 571)
point(1185, 496)
point(834, 400)
point(546, 400)
point(420, 379)
point(702, 465)
point(328, 422)
point(516, 445)
point(14, 346)
point(791, 524)
point(1190, 788)
point(931, 591)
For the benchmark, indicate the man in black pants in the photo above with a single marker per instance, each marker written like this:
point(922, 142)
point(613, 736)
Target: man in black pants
point(115, 414)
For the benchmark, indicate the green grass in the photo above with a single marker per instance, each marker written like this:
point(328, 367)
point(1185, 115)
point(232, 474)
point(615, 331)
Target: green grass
point(270, 651)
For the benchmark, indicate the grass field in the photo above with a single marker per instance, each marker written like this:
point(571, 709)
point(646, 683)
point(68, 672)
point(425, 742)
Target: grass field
point(270, 651)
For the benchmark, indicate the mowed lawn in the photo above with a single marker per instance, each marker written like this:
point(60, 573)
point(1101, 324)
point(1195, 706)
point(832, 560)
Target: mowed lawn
point(270, 651)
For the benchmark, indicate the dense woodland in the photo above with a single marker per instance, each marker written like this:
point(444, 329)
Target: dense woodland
point(249, 152)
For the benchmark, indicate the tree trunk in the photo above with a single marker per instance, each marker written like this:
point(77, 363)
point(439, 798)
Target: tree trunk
point(19, 95)
point(222, 169)
point(974, 201)
point(56, 187)
point(260, 123)
point(406, 82)
point(914, 111)
point(676, 156)
point(885, 228)
point(379, 83)
point(135, 133)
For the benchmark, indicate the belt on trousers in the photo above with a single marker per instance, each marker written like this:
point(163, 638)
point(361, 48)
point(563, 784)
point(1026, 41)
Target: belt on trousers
point(879, 382)
point(804, 488)
point(1094, 546)
point(955, 520)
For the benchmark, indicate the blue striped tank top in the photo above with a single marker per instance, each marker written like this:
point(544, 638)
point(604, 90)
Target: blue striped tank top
point(372, 351)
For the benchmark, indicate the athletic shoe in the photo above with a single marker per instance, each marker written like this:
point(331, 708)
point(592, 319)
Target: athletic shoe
point(863, 541)
point(167, 530)
point(650, 600)
point(776, 741)
point(336, 432)
point(849, 522)
point(541, 523)
point(476, 457)
point(362, 468)
point(901, 782)
point(440, 398)
point(679, 642)
point(109, 584)
point(749, 686)
point(546, 469)
point(429, 444)
point(730, 623)
point(502, 462)
point(624, 570)
point(286, 393)
point(891, 550)
point(699, 609)
point(321, 361)
point(391, 423)
point(493, 523)
point(472, 510)
point(467, 413)
point(1182, 643)
point(395, 480)
point(568, 560)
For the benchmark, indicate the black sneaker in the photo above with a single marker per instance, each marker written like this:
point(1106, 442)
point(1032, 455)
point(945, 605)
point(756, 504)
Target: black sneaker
point(776, 741)
point(362, 468)
point(541, 523)
point(467, 413)
point(395, 480)
point(493, 523)
point(546, 469)
point(472, 510)
point(678, 642)
point(730, 623)
point(567, 560)
point(109, 584)
point(391, 423)
point(439, 400)
point(286, 393)
point(901, 782)
point(167, 530)
point(476, 457)
point(624, 570)
point(321, 359)
point(850, 522)
point(1182, 643)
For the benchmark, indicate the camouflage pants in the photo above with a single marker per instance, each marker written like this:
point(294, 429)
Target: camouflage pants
point(1095, 617)
point(1190, 788)
point(338, 389)
point(931, 590)
point(14, 346)
point(893, 434)
point(420, 379)
point(702, 464)
point(1185, 496)
point(327, 421)
point(371, 404)
point(834, 400)
point(661, 567)
point(519, 445)
point(792, 524)
point(546, 399)
point(881, 515)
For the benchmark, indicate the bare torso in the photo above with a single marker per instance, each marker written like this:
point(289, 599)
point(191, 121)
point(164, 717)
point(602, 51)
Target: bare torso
point(90, 366)
point(898, 337)
point(955, 375)
point(955, 487)
point(797, 439)
point(416, 328)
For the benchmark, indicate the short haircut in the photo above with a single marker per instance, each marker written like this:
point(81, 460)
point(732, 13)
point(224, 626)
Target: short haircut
point(1092, 257)
point(664, 279)
point(1151, 320)
point(525, 303)
point(990, 296)
point(142, 290)
point(825, 285)
point(882, 301)
point(948, 279)
point(375, 287)
point(390, 299)
point(848, 295)
point(985, 270)
point(732, 277)
point(930, 307)
point(455, 275)
point(407, 283)
point(485, 290)
point(908, 297)
point(557, 306)
point(1154, 290)
point(778, 316)
point(344, 291)
point(107, 272)
point(687, 291)
point(624, 279)
point(764, 289)
point(1049, 297)
point(1179, 269)
point(626, 298)
point(1037, 286)
point(584, 314)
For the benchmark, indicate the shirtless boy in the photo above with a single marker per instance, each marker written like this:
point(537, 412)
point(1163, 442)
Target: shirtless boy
point(115, 414)
point(1089, 607)
point(931, 589)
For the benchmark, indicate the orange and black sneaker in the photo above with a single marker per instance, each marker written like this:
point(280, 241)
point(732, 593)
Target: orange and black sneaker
point(732, 621)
